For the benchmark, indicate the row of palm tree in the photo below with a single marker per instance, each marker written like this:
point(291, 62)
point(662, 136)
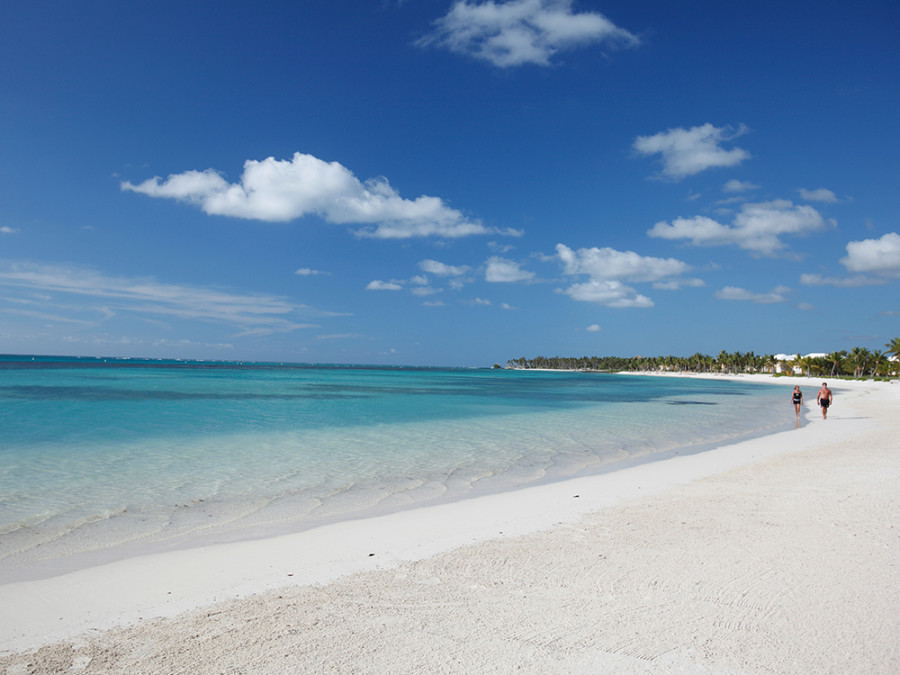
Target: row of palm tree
point(857, 362)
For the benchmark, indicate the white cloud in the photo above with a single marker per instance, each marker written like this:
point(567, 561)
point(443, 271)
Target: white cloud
point(440, 269)
point(739, 186)
point(686, 152)
point(594, 328)
point(501, 270)
point(678, 284)
point(608, 268)
point(609, 293)
point(819, 195)
point(778, 294)
point(756, 228)
point(6, 229)
point(307, 272)
point(847, 282)
point(518, 32)
point(875, 256)
point(378, 285)
point(497, 247)
point(423, 291)
point(256, 314)
point(284, 190)
point(608, 263)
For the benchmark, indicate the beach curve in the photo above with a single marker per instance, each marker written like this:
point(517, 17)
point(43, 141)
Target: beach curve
point(734, 559)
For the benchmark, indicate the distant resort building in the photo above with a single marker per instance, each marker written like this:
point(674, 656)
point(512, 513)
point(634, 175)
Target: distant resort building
point(783, 361)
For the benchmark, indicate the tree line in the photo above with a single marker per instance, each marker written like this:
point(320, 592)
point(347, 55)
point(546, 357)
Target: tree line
point(858, 362)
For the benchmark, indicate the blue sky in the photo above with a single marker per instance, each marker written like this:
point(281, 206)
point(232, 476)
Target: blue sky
point(447, 183)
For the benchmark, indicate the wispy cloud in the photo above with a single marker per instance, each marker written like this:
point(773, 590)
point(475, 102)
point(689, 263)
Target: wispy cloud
point(6, 229)
point(818, 195)
point(757, 228)
point(841, 282)
point(249, 313)
point(308, 272)
point(734, 186)
point(778, 294)
point(502, 270)
point(284, 190)
point(440, 269)
point(519, 32)
point(686, 152)
point(378, 285)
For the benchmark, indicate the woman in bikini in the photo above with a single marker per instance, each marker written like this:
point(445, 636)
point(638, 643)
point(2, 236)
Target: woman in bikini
point(797, 399)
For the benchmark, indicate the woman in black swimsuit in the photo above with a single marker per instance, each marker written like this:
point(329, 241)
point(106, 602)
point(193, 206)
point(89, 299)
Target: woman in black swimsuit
point(797, 399)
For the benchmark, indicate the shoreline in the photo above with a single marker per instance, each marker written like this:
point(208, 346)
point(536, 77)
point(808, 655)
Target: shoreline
point(205, 520)
point(126, 594)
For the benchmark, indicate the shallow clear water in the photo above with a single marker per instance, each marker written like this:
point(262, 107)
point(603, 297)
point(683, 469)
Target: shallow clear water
point(124, 455)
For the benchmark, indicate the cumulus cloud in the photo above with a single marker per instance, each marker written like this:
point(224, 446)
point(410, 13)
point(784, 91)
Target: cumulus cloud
point(256, 314)
point(608, 268)
point(501, 270)
point(757, 228)
point(686, 152)
point(876, 261)
point(778, 294)
point(609, 293)
point(608, 263)
point(875, 256)
point(819, 195)
point(284, 190)
point(519, 32)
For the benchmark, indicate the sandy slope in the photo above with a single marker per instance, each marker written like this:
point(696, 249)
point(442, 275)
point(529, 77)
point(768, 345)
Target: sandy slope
point(779, 554)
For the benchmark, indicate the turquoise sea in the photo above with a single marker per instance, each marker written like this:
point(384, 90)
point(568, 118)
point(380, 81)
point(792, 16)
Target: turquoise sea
point(105, 458)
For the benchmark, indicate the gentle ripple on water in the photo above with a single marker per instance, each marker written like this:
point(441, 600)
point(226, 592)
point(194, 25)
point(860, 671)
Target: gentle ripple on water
point(123, 459)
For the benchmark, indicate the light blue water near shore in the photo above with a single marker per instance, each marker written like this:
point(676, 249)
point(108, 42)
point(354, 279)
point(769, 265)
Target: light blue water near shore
point(101, 459)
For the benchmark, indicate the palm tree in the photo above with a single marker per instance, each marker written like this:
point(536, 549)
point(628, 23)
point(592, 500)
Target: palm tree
point(893, 347)
point(835, 359)
point(878, 362)
point(857, 358)
point(805, 362)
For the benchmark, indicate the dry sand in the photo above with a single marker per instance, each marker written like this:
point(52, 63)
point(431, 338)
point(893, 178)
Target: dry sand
point(775, 555)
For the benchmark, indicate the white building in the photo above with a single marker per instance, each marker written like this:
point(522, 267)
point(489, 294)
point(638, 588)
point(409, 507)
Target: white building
point(782, 360)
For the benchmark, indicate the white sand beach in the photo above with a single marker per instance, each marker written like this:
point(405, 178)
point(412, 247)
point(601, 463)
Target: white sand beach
point(780, 554)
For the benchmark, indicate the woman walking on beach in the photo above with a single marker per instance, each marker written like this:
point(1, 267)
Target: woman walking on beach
point(797, 399)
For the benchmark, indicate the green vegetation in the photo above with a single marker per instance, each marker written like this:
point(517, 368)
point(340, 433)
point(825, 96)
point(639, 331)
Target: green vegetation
point(859, 362)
